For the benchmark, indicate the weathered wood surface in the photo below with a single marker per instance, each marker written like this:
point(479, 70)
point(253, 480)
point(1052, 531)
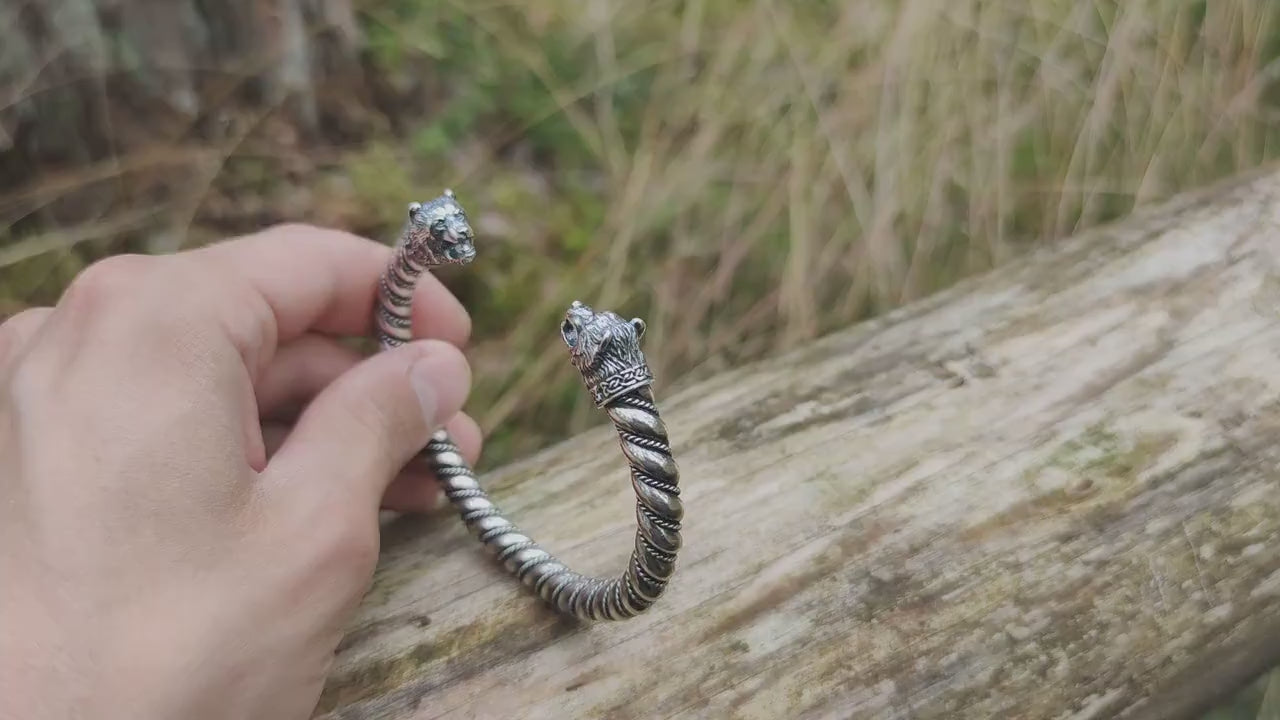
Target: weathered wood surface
point(1049, 493)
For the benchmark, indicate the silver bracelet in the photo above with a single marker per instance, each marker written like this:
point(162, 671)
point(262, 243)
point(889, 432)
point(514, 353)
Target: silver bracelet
point(605, 349)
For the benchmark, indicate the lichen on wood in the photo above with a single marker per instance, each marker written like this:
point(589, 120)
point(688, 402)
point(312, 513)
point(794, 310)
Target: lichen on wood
point(1049, 492)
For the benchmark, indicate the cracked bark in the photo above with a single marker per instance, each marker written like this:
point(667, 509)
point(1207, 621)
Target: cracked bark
point(1050, 492)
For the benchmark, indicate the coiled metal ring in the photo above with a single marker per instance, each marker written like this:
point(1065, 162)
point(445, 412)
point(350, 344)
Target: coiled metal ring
point(605, 349)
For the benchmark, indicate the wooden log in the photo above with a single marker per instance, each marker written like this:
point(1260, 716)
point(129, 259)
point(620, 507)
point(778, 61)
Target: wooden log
point(1050, 492)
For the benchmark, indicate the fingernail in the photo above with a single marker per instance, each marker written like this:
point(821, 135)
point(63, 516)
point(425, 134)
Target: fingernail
point(421, 376)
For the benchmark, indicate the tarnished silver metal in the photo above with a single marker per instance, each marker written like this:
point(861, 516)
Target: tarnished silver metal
point(436, 232)
point(605, 349)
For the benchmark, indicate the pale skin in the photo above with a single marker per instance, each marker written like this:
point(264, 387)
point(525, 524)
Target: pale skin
point(191, 472)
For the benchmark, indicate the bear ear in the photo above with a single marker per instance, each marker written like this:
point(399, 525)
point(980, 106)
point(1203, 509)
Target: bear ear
point(569, 333)
point(639, 325)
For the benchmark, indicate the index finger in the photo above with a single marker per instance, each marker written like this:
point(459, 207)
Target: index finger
point(322, 280)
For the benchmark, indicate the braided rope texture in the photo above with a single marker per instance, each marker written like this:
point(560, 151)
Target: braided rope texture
point(619, 385)
point(392, 319)
point(659, 512)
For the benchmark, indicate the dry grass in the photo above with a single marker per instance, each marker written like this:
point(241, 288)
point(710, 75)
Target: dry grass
point(745, 175)
point(788, 168)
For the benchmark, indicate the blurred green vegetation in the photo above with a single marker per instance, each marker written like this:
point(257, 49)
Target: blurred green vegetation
point(749, 175)
point(745, 175)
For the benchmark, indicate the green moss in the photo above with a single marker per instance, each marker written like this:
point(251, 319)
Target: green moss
point(377, 678)
point(1100, 453)
point(1103, 468)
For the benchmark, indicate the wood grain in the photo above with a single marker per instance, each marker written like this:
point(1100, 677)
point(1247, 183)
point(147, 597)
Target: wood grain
point(1051, 492)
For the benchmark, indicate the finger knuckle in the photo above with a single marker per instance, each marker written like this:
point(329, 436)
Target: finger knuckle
point(317, 235)
point(28, 385)
point(111, 274)
point(8, 344)
point(219, 290)
point(291, 228)
point(106, 282)
point(16, 327)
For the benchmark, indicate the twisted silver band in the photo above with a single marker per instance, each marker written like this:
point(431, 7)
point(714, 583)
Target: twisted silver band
point(605, 349)
point(654, 478)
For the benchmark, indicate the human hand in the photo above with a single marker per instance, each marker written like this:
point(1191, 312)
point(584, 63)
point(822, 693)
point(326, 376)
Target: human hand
point(167, 549)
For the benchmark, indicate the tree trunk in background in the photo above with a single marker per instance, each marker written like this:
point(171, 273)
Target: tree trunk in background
point(109, 88)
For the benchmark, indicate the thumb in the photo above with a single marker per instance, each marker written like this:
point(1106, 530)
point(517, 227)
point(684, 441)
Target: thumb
point(368, 423)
